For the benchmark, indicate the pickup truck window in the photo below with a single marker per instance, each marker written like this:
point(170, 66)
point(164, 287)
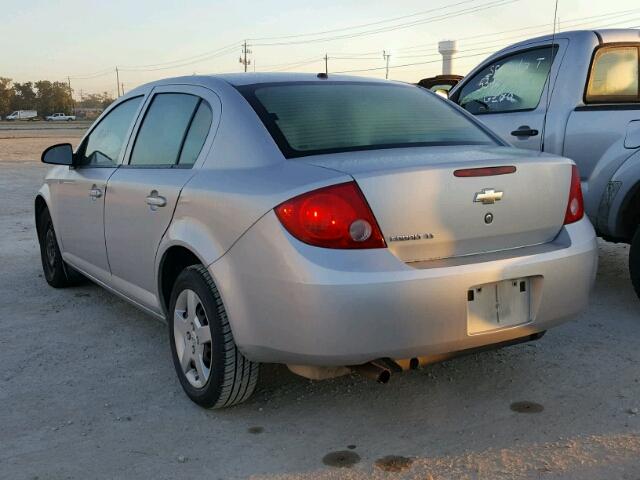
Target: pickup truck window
point(614, 75)
point(512, 83)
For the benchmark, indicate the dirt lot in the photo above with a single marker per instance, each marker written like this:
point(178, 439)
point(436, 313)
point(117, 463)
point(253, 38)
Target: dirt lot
point(87, 388)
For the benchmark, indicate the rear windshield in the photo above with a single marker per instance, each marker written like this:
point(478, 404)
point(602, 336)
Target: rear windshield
point(311, 118)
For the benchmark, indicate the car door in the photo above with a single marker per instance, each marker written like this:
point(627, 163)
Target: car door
point(79, 194)
point(509, 94)
point(144, 192)
point(601, 132)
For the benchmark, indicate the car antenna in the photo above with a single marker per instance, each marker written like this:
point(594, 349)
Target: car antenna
point(551, 61)
point(323, 75)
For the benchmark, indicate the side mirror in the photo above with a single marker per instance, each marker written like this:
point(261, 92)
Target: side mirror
point(61, 154)
point(442, 92)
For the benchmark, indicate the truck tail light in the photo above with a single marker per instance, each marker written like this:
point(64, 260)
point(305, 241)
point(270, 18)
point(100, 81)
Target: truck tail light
point(575, 207)
point(337, 216)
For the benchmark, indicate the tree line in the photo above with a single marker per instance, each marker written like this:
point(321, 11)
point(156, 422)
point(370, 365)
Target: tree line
point(45, 97)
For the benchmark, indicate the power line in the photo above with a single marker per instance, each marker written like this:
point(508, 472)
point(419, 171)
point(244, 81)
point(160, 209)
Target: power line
point(100, 73)
point(530, 27)
point(437, 18)
point(496, 43)
point(619, 12)
point(315, 60)
point(412, 64)
point(187, 59)
point(363, 25)
point(354, 58)
point(382, 26)
point(287, 64)
point(218, 53)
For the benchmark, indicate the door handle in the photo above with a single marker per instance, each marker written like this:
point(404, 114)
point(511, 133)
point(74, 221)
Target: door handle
point(95, 192)
point(154, 200)
point(525, 131)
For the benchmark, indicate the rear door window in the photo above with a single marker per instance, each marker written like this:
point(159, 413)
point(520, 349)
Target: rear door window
point(512, 83)
point(614, 75)
point(163, 130)
point(196, 136)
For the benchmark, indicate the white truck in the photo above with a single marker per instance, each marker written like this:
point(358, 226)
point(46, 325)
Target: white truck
point(59, 117)
point(22, 115)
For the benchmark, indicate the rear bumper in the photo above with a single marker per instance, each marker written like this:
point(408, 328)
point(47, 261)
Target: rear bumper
point(288, 302)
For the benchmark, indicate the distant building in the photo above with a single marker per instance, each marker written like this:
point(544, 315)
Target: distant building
point(88, 113)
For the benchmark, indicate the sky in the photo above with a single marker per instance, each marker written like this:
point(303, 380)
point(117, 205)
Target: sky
point(151, 39)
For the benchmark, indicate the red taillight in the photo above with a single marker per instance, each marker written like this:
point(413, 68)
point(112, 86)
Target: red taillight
point(337, 216)
point(575, 207)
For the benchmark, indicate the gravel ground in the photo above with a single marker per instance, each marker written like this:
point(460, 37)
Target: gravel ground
point(87, 389)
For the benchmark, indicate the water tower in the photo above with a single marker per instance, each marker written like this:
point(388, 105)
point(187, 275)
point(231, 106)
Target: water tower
point(447, 49)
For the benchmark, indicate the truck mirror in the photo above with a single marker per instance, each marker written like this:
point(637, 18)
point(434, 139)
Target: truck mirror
point(442, 92)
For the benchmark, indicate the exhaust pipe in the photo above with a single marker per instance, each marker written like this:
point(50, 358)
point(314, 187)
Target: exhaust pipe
point(375, 371)
point(420, 362)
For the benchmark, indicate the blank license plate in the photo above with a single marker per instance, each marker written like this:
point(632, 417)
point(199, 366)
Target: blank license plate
point(498, 305)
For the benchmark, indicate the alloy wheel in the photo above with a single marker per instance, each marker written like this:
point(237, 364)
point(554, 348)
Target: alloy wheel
point(50, 247)
point(192, 338)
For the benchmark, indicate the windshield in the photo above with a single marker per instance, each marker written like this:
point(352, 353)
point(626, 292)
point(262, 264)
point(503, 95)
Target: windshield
point(311, 118)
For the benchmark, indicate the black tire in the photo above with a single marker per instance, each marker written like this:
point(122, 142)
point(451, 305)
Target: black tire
point(634, 262)
point(56, 272)
point(232, 378)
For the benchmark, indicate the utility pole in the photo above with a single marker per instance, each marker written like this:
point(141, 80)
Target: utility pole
point(243, 57)
point(73, 106)
point(122, 88)
point(386, 57)
point(326, 64)
point(118, 81)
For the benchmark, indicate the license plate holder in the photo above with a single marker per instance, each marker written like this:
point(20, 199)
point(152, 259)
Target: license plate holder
point(498, 305)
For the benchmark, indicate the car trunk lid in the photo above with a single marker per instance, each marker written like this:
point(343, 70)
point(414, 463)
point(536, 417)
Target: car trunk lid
point(426, 212)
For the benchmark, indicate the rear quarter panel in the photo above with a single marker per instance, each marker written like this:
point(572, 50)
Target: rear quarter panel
point(217, 206)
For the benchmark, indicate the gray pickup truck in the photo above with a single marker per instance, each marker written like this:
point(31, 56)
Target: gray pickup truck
point(589, 112)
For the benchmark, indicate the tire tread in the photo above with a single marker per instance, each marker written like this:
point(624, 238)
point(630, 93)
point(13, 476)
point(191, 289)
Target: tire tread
point(240, 374)
point(634, 262)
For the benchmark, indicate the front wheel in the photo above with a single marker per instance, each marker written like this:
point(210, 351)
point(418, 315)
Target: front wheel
point(211, 369)
point(634, 262)
point(56, 272)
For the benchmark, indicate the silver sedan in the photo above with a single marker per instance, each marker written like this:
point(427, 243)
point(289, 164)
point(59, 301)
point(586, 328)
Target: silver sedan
point(333, 224)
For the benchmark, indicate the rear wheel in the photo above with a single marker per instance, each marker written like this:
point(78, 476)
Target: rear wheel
point(56, 272)
point(211, 369)
point(634, 261)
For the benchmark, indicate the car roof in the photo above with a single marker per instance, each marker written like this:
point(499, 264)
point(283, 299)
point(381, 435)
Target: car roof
point(252, 78)
point(606, 35)
point(249, 78)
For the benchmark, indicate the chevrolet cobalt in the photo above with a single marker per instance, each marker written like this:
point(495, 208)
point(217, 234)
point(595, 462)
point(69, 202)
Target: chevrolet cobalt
point(329, 223)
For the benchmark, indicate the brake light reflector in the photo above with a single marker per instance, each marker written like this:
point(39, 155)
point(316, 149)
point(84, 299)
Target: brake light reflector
point(337, 216)
point(575, 207)
point(485, 171)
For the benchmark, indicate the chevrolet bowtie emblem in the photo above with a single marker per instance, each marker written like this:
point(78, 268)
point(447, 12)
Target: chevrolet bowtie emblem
point(488, 196)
